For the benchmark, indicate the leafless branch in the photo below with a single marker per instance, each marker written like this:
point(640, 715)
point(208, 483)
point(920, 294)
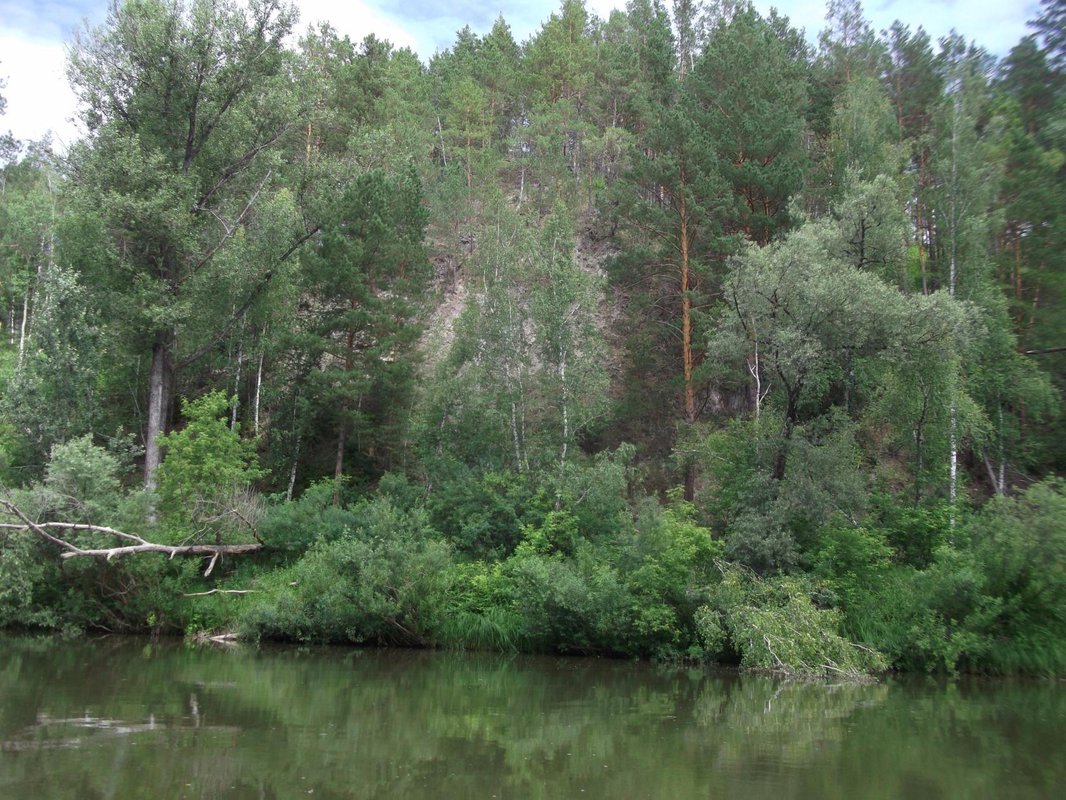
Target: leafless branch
point(218, 591)
point(141, 545)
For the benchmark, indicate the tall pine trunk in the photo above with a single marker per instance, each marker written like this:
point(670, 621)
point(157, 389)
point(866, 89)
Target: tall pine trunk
point(687, 357)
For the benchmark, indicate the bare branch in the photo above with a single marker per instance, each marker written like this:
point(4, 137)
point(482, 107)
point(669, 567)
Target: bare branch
point(1045, 351)
point(141, 545)
point(231, 229)
point(218, 591)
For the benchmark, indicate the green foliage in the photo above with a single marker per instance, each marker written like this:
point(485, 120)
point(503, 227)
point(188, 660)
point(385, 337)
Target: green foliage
point(864, 138)
point(26, 579)
point(994, 602)
point(289, 529)
point(676, 558)
point(634, 593)
point(849, 560)
point(774, 625)
point(52, 395)
point(381, 582)
point(561, 602)
point(768, 524)
point(748, 94)
point(1020, 547)
point(596, 492)
point(479, 610)
point(207, 465)
point(523, 379)
point(483, 515)
point(81, 482)
point(915, 532)
point(352, 341)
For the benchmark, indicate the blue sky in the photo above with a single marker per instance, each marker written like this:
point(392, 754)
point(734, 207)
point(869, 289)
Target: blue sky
point(33, 33)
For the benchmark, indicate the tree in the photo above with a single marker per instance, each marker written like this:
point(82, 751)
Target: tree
point(849, 48)
point(634, 83)
point(676, 205)
point(837, 356)
point(915, 88)
point(523, 380)
point(719, 166)
point(208, 472)
point(9, 146)
point(564, 301)
point(356, 332)
point(688, 23)
point(186, 107)
point(804, 318)
point(748, 95)
point(863, 135)
point(81, 495)
point(479, 408)
point(1026, 75)
point(53, 395)
point(964, 179)
point(1029, 244)
point(1051, 27)
point(29, 214)
point(467, 117)
point(559, 62)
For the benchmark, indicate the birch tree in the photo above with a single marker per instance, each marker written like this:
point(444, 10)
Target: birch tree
point(524, 378)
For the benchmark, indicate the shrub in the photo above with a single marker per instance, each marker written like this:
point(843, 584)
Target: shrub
point(483, 514)
point(849, 561)
point(1019, 545)
point(773, 625)
point(480, 611)
point(289, 529)
point(994, 602)
point(207, 467)
point(382, 582)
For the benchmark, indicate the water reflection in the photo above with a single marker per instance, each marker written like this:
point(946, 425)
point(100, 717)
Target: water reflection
point(120, 718)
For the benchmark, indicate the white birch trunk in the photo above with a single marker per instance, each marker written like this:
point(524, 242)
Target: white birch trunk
point(515, 437)
point(258, 390)
point(756, 374)
point(292, 472)
point(23, 327)
point(566, 408)
point(1002, 458)
point(236, 385)
point(440, 133)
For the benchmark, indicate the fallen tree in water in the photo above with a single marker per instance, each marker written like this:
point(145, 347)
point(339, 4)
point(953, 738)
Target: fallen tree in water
point(137, 544)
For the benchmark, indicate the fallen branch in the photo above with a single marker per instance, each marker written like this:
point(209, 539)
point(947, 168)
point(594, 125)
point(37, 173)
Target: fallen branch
point(1045, 351)
point(141, 545)
point(218, 591)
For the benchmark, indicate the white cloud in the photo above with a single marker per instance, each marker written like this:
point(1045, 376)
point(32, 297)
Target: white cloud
point(39, 99)
point(356, 20)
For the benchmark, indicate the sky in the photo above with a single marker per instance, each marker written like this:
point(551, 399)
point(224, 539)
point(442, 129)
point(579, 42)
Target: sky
point(34, 33)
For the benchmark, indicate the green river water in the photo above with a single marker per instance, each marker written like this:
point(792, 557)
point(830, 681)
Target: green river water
point(132, 718)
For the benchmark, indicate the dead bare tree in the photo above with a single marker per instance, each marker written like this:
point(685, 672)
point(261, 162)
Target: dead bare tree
point(53, 532)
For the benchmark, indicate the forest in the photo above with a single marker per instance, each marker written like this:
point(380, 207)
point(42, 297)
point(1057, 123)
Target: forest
point(670, 335)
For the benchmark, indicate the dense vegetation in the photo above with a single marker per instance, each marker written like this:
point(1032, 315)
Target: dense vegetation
point(666, 334)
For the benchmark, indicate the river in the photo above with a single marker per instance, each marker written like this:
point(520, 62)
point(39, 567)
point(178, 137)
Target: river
point(134, 718)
